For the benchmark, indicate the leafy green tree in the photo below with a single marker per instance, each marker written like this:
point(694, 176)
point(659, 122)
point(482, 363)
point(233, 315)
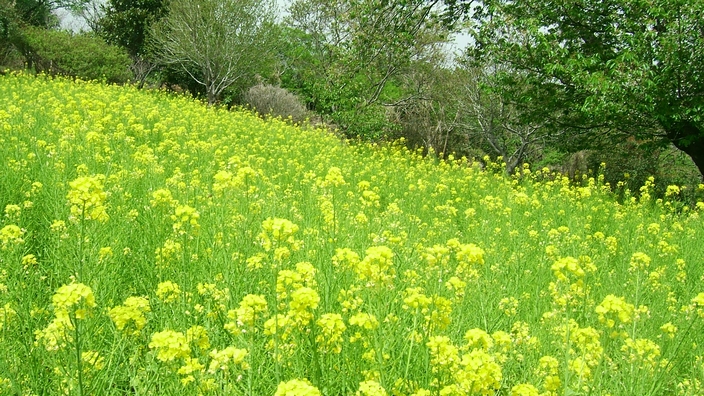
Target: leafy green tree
point(127, 23)
point(600, 69)
point(217, 42)
point(350, 59)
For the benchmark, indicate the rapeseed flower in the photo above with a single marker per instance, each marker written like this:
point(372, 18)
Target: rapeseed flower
point(87, 198)
point(6, 315)
point(169, 345)
point(296, 387)
point(370, 388)
point(331, 326)
point(221, 360)
point(75, 299)
point(614, 308)
point(10, 235)
point(524, 390)
point(168, 291)
point(129, 317)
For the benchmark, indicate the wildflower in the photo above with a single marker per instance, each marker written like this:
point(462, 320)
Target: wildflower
point(698, 303)
point(669, 329)
point(73, 295)
point(642, 351)
point(190, 366)
point(614, 308)
point(87, 198)
point(364, 320)
point(415, 299)
point(198, 336)
point(331, 326)
point(29, 260)
point(169, 345)
point(93, 360)
point(129, 317)
point(12, 212)
point(56, 334)
point(509, 306)
point(548, 368)
point(296, 387)
point(639, 261)
point(277, 231)
point(251, 307)
point(185, 215)
point(10, 235)
point(303, 301)
point(479, 339)
point(480, 373)
point(370, 388)
point(162, 197)
point(6, 315)
point(168, 291)
point(221, 360)
point(169, 252)
point(377, 266)
point(524, 390)
point(444, 356)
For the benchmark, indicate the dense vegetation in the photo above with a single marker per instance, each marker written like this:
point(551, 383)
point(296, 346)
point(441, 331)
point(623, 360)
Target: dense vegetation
point(152, 245)
point(559, 85)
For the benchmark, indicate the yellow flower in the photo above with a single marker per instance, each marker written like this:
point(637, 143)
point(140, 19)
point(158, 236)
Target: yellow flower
point(303, 301)
point(479, 339)
point(6, 315)
point(251, 307)
point(10, 235)
point(364, 320)
point(93, 360)
point(524, 390)
point(370, 388)
point(74, 295)
point(198, 336)
point(329, 339)
point(169, 345)
point(614, 308)
point(444, 356)
point(168, 291)
point(87, 198)
point(639, 261)
point(129, 317)
point(221, 360)
point(296, 387)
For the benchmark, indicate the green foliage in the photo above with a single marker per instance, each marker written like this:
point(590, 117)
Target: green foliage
point(218, 43)
point(80, 55)
point(626, 67)
point(126, 23)
point(152, 245)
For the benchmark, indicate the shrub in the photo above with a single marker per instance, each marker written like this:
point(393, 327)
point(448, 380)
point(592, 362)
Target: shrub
point(78, 55)
point(275, 101)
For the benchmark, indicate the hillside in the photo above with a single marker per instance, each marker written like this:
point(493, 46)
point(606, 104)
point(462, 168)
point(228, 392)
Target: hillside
point(152, 245)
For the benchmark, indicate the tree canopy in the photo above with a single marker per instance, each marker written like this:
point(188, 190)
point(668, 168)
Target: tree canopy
point(628, 67)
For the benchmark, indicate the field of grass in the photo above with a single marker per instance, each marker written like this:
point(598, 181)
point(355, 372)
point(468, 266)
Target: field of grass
point(150, 245)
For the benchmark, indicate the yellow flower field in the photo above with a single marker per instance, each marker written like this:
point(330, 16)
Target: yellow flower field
point(150, 245)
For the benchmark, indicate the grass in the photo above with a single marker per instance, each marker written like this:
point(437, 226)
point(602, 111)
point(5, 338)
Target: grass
point(151, 245)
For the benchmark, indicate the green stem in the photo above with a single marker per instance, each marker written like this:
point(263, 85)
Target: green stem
point(79, 363)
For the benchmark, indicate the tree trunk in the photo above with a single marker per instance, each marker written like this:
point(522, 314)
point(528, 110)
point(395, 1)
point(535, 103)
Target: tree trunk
point(689, 138)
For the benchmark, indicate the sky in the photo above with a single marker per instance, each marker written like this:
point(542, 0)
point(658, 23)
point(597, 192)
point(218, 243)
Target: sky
point(71, 22)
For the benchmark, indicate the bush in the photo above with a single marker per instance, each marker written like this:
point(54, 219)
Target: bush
point(275, 101)
point(80, 55)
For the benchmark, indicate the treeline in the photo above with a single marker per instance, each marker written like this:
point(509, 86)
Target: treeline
point(568, 86)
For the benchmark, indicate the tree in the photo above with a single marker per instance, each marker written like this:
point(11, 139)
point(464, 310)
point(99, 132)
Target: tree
point(127, 23)
point(351, 57)
point(217, 42)
point(609, 68)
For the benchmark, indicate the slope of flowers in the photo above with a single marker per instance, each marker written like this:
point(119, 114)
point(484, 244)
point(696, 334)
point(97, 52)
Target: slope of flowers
point(150, 245)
